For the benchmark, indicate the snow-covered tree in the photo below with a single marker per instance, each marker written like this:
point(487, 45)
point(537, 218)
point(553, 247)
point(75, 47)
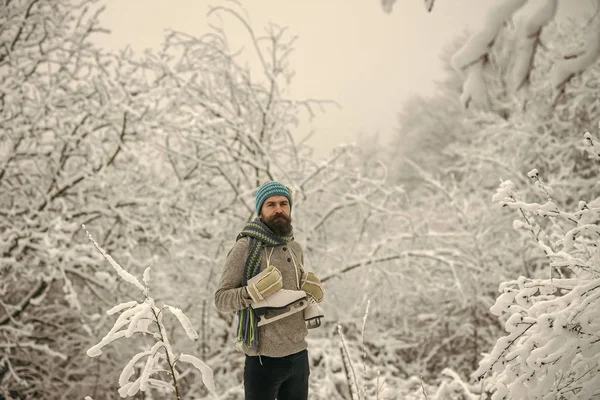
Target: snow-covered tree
point(66, 134)
point(146, 318)
point(552, 346)
point(345, 215)
point(526, 20)
point(457, 158)
point(159, 155)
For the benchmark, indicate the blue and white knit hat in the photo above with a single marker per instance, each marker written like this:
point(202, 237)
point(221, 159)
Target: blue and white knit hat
point(269, 189)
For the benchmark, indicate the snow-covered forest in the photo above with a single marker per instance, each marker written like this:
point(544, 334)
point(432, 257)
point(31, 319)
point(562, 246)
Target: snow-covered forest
point(461, 262)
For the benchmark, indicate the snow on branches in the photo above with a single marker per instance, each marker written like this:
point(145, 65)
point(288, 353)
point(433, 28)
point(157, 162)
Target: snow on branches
point(530, 17)
point(552, 349)
point(536, 14)
point(473, 56)
point(388, 5)
point(126, 276)
point(594, 144)
point(147, 319)
point(371, 387)
point(577, 62)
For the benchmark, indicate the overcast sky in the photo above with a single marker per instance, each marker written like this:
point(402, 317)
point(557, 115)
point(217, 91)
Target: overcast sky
point(349, 51)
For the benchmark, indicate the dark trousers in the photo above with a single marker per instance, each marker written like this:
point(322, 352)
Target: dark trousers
point(281, 378)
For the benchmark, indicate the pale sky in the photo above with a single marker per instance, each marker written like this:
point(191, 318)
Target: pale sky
point(349, 51)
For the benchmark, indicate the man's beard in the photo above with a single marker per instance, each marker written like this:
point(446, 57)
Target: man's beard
point(280, 224)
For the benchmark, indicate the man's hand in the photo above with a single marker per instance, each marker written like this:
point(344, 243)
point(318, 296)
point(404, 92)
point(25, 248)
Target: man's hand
point(264, 284)
point(312, 286)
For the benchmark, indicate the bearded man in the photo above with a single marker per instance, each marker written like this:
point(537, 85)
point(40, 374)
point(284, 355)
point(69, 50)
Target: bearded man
point(264, 281)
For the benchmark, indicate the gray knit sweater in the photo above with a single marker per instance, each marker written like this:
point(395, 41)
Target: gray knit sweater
point(280, 338)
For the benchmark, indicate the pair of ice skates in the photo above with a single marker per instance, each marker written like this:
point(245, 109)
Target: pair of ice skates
point(284, 303)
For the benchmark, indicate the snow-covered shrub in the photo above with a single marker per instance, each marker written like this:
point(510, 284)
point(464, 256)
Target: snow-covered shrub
point(353, 371)
point(455, 388)
point(552, 349)
point(146, 318)
point(463, 153)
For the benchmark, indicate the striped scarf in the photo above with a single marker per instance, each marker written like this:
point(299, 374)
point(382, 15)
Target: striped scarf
point(260, 236)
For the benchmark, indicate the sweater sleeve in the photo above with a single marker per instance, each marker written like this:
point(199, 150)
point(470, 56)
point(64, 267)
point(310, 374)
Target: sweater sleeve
point(231, 295)
point(302, 269)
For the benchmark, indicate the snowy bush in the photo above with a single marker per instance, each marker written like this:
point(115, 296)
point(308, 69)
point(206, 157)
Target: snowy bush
point(552, 349)
point(369, 379)
point(144, 317)
point(463, 153)
point(370, 387)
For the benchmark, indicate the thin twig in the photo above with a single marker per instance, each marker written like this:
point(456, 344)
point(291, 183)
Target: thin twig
point(423, 387)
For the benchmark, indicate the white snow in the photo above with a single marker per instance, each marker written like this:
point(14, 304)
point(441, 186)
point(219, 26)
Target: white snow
point(122, 273)
point(144, 311)
point(474, 87)
point(479, 44)
point(534, 15)
point(146, 276)
point(128, 370)
point(505, 192)
point(205, 370)
point(593, 143)
point(149, 366)
point(573, 64)
point(114, 333)
point(121, 306)
point(185, 322)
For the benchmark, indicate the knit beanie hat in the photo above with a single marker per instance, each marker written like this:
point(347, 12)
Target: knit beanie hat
point(269, 189)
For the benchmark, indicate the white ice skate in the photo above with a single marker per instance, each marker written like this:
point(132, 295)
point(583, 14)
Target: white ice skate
point(313, 314)
point(280, 304)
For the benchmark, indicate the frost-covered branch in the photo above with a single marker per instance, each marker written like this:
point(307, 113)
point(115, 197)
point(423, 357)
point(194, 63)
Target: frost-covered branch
point(473, 56)
point(137, 318)
point(573, 64)
point(371, 386)
point(552, 324)
point(388, 5)
point(16, 309)
point(530, 18)
point(349, 367)
point(534, 16)
point(436, 255)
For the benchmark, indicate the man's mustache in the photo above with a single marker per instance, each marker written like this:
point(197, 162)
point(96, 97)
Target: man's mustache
point(280, 216)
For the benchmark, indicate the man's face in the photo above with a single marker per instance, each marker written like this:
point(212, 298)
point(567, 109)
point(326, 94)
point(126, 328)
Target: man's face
point(276, 214)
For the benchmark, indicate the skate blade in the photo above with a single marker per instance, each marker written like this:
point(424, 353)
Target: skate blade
point(263, 310)
point(313, 323)
point(292, 309)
